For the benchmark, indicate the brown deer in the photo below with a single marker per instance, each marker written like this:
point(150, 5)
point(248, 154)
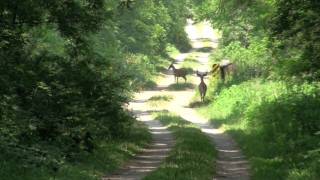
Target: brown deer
point(202, 86)
point(178, 73)
point(226, 68)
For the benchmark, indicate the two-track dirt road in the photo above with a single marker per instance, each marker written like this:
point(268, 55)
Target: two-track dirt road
point(231, 163)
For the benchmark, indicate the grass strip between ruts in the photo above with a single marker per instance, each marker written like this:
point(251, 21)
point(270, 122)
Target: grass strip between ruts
point(192, 157)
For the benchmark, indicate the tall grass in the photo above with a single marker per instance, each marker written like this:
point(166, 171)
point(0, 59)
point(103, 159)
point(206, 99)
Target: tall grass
point(276, 123)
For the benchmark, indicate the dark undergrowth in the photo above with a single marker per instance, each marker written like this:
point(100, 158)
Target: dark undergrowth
point(107, 157)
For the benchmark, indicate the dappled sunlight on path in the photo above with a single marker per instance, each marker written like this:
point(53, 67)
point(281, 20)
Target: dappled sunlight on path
point(152, 156)
point(231, 163)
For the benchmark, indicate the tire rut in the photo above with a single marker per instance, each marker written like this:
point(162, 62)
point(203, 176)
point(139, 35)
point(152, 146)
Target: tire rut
point(152, 156)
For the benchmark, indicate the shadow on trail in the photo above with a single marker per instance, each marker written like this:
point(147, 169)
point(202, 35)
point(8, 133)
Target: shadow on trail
point(166, 98)
point(204, 49)
point(191, 60)
point(138, 101)
point(148, 112)
point(149, 85)
point(181, 87)
point(207, 40)
point(197, 104)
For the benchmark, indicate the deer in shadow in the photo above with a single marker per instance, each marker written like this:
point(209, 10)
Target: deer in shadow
point(226, 68)
point(178, 73)
point(202, 86)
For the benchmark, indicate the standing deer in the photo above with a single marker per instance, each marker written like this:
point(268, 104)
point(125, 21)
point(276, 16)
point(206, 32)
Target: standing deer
point(226, 68)
point(202, 86)
point(178, 73)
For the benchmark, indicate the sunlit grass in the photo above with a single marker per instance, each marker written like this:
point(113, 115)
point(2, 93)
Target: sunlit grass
point(206, 43)
point(159, 101)
point(191, 63)
point(263, 117)
point(192, 157)
point(172, 51)
point(181, 86)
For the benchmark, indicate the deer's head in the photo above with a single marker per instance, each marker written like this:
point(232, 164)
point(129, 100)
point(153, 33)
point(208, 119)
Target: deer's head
point(201, 74)
point(171, 66)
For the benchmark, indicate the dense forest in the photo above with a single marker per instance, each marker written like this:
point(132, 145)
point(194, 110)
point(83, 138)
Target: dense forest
point(271, 104)
point(68, 68)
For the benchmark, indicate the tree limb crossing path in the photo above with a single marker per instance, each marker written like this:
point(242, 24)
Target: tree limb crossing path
point(231, 164)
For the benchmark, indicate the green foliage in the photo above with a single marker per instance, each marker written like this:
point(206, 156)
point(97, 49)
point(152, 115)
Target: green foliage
point(276, 124)
point(88, 166)
point(144, 27)
point(150, 25)
point(290, 25)
point(179, 11)
point(253, 61)
point(68, 67)
point(238, 20)
point(51, 89)
point(189, 159)
point(271, 103)
point(190, 64)
point(295, 32)
point(245, 42)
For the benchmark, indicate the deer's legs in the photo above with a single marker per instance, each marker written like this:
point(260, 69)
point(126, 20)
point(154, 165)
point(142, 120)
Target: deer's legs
point(222, 72)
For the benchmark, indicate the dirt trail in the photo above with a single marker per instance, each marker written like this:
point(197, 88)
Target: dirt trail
point(152, 156)
point(231, 163)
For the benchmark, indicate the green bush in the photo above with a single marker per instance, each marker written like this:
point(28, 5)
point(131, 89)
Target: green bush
point(271, 104)
point(68, 67)
point(276, 124)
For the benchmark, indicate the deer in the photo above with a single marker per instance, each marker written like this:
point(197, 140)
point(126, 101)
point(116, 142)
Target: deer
point(178, 73)
point(226, 67)
point(202, 86)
